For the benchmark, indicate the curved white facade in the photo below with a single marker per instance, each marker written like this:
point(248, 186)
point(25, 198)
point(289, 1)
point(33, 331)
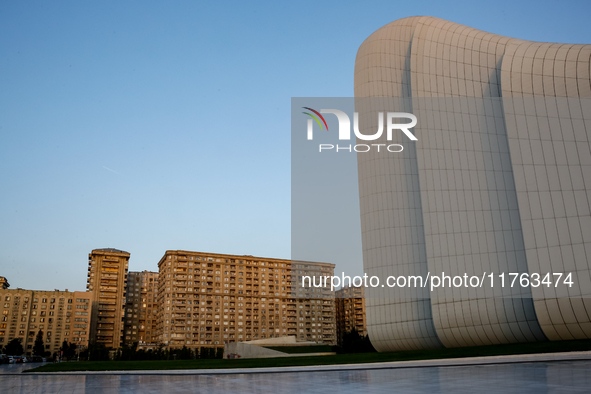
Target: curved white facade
point(461, 199)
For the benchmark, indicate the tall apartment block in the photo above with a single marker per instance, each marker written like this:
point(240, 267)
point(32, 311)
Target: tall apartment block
point(315, 303)
point(107, 279)
point(350, 306)
point(141, 309)
point(60, 315)
point(206, 300)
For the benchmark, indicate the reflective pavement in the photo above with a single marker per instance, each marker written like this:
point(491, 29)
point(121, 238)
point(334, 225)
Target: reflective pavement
point(17, 368)
point(539, 378)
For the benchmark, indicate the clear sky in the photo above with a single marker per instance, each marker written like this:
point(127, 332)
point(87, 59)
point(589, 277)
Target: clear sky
point(148, 126)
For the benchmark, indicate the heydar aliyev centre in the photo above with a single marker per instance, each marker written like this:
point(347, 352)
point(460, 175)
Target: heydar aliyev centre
point(498, 182)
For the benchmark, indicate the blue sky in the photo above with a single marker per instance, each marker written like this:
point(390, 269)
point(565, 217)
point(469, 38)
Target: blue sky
point(149, 126)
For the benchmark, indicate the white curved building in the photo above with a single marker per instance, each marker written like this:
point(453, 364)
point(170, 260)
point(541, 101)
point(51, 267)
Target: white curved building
point(498, 181)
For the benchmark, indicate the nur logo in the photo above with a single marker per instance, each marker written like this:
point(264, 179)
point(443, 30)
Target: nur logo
point(345, 129)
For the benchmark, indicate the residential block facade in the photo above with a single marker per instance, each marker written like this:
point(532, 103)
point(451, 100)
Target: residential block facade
point(60, 315)
point(350, 311)
point(207, 299)
point(141, 309)
point(195, 300)
point(107, 280)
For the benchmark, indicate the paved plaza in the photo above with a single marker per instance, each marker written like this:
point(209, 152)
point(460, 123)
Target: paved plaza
point(573, 376)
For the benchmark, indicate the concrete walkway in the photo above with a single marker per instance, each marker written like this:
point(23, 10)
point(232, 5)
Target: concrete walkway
point(453, 362)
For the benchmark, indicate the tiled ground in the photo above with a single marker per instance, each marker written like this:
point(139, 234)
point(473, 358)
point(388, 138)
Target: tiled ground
point(538, 378)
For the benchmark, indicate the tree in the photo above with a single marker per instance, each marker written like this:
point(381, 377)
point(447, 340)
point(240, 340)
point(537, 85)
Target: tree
point(83, 354)
point(72, 350)
point(38, 347)
point(126, 353)
point(184, 354)
point(353, 342)
point(69, 350)
point(64, 349)
point(14, 347)
point(98, 352)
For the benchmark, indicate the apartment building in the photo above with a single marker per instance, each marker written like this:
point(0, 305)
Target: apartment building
point(141, 311)
point(207, 299)
point(350, 308)
point(60, 315)
point(315, 301)
point(107, 279)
